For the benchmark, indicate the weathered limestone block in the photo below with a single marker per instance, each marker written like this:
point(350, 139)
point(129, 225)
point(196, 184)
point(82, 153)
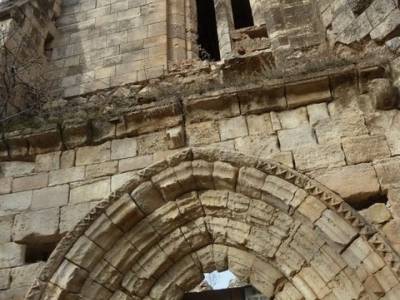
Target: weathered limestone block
point(212, 107)
point(147, 197)
point(93, 154)
point(308, 92)
point(11, 255)
point(377, 213)
point(365, 148)
point(30, 182)
point(102, 131)
point(50, 197)
point(6, 224)
point(66, 175)
point(90, 192)
point(388, 172)
point(123, 148)
point(225, 176)
point(390, 24)
point(151, 143)
point(373, 287)
point(293, 138)
point(306, 243)
point(93, 290)
point(47, 162)
point(250, 182)
point(263, 242)
point(391, 231)
point(102, 169)
point(67, 159)
point(5, 185)
point(16, 168)
point(37, 226)
point(202, 133)
point(124, 213)
point(346, 285)
point(259, 124)
point(285, 158)
point(233, 128)
point(262, 100)
point(202, 174)
point(70, 215)
point(293, 118)
point(311, 208)
point(16, 202)
point(357, 252)
point(303, 287)
point(5, 279)
point(69, 277)
point(289, 292)
point(134, 163)
point(265, 277)
point(393, 203)
point(104, 232)
point(85, 253)
point(119, 180)
point(331, 130)
point(320, 156)
point(176, 137)
point(121, 255)
point(25, 275)
point(383, 93)
point(282, 192)
point(75, 134)
point(338, 230)
point(353, 183)
point(258, 145)
point(314, 281)
point(386, 278)
point(167, 182)
point(317, 112)
point(328, 263)
point(45, 141)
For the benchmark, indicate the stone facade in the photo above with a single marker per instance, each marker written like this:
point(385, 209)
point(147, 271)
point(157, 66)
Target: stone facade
point(279, 162)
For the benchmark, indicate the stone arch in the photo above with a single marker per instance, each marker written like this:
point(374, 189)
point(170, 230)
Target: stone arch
point(202, 210)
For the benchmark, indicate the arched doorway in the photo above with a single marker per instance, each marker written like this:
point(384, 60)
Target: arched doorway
point(203, 210)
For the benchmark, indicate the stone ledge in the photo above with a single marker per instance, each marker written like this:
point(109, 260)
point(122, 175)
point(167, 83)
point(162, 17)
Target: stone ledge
point(168, 113)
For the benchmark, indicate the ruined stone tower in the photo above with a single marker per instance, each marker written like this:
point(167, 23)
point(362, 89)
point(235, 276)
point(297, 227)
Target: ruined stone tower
point(147, 142)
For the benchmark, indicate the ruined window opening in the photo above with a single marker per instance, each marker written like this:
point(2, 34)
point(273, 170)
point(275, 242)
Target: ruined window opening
point(38, 252)
point(48, 46)
point(368, 201)
point(207, 31)
point(242, 14)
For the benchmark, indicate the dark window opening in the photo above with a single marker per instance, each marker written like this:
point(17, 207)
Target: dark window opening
point(48, 47)
point(366, 202)
point(242, 14)
point(38, 252)
point(207, 31)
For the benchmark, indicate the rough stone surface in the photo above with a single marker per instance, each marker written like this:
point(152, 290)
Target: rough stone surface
point(39, 226)
point(90, 192)
point(11, 255)
point(50, 197)
point(365, 149)
point(354, 183)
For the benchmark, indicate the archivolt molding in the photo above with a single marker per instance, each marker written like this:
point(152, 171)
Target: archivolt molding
point(170, 197)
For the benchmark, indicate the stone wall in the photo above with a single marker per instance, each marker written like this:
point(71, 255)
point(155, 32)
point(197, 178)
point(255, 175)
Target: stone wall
point(352, 21)
point(336, 123)
point(336, 135)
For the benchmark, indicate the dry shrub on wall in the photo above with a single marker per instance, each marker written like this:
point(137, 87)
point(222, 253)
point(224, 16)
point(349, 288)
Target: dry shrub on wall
point(24, 77)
